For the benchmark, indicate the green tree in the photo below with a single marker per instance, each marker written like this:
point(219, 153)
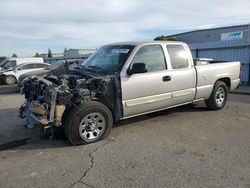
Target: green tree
point(37, 54)
point(14, 55)
point(49, 53)
point(165, 38)
point(65, 49)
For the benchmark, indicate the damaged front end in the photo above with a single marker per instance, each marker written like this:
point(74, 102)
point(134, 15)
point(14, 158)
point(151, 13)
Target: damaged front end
point(49, 99)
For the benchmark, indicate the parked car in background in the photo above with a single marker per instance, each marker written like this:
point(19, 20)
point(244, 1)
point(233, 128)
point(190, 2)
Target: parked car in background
point(2, 58)
point(11, 76)
point(74, 63)
point(13, 62)
point(52, 69)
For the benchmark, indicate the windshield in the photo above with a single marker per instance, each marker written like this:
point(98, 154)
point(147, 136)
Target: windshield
point(8, 63)
point(1, 63)
point(109, 58)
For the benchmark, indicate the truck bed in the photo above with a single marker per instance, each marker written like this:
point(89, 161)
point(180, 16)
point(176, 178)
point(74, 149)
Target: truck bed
point(208, 74)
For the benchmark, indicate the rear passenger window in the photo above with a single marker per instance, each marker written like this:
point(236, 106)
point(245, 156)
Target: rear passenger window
point(178, 56)
point(28, 66)
point(152, 56)
point(40, 65)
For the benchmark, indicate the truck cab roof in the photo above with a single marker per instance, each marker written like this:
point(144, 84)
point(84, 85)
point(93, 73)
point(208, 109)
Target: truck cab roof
point(140, 43)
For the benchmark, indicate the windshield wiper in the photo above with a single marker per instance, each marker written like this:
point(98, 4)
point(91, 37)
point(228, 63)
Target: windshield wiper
point(94, 68)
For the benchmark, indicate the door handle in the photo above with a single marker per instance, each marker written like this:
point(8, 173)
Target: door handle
point(166, 78)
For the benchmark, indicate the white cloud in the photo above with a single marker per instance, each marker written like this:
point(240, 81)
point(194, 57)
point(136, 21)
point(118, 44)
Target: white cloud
point(34, 25)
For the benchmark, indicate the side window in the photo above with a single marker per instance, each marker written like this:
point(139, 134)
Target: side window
point(40, 65)
point(152, 56)
point(28, 66)
point(178, 56)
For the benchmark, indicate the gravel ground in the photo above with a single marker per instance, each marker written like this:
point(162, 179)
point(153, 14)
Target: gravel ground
point(182, 147)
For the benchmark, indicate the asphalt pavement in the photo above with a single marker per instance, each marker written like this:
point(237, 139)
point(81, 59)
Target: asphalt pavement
point(183, 147)
point(242, 90)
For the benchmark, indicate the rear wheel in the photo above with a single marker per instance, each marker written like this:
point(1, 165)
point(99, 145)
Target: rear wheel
point(89, 123)
point(10, 79)
point(218, 97)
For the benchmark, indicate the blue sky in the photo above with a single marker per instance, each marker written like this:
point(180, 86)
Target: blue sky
point(30, 26)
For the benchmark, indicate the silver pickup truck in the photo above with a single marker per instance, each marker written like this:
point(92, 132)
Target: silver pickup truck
point(120, 81)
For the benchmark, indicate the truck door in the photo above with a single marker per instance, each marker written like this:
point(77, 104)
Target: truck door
point(149, 91)
point(182, 73)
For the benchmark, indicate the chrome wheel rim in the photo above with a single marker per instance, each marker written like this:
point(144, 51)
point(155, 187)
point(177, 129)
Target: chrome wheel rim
point(220, 96)
point(92, 126)
point(10, 79)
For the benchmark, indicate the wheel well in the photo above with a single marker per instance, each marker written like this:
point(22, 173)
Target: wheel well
point(10, 75)
point(106, 103)
point(227, 81)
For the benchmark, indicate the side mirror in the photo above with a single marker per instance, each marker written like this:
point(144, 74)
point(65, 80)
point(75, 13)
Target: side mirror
point(137, 68)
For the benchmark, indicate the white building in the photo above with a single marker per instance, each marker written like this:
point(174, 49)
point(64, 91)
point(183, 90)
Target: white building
point(78, 52)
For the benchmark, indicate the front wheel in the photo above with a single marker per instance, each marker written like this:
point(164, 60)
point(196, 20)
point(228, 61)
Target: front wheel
point(218, 97)
point(89, 123)
point(10, 79)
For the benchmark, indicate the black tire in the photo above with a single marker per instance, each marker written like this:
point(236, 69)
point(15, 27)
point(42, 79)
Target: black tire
point(218, 97)
point(73, 123)
point(10, 79)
